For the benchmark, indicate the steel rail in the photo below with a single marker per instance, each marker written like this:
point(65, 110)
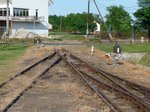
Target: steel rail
point(141, 104)
point(112, 75)
point(134, 85)
point(30, 86)
point(139, 100)
point(27, 69)
point(107, 75)
point(106, 100)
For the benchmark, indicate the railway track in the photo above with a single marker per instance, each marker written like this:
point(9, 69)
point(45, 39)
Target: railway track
point(121, 95)
point(12, 89)
point(134, 89)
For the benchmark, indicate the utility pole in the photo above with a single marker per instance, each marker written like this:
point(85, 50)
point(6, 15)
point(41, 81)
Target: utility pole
point(109, 34)
point(61, 20)
point(99, 11)
point(7, 21)
point(87, 30)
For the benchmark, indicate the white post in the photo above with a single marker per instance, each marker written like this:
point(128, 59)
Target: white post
point(92, 50)
point(142, 39)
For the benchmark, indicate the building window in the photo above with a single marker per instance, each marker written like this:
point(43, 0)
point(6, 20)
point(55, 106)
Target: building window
point(3, 11)
point(21, 12)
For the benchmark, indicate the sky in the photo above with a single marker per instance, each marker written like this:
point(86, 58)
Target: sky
point(64, 7)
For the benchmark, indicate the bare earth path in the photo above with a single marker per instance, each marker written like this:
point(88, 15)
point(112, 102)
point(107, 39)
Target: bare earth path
point(60, 90)
point(135, 73)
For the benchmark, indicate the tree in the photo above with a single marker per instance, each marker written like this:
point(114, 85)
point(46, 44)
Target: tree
point(73, 22)
point(143, 15)
point(118, 18)
point(144, 3)
point(56, 21)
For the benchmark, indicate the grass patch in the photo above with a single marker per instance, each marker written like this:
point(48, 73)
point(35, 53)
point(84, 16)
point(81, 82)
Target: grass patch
point(67, 37)
point(131, 48)
point(58, 33)
point(8, 55)
point(74, 37)
point(146, 60)
point(55, 39)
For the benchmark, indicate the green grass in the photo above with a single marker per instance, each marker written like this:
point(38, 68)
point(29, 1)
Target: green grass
point(74, 37)
point(68, 37)
point(8, 55)
point(58, 33)
point(131, 48)
point(146, 60)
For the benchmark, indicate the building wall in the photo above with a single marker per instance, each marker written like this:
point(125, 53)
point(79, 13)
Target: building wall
point(32, 5)
point(39, 28)
point(42, 6)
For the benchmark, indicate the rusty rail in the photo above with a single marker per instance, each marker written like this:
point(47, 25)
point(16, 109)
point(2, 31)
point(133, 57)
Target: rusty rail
point(30, 86)
point(27, 69)
point(122, 90)
point(111, 105)
point(117, 80)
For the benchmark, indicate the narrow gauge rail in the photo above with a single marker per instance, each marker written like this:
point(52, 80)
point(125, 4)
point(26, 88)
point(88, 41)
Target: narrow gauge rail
point(27, 69)
point(118, 97)
point(8, 90)
point(132, 88)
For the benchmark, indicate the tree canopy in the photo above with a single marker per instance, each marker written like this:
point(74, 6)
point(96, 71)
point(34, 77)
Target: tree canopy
point(144, 3)
point(118, 18)
point(143, 15)
point(73, 22)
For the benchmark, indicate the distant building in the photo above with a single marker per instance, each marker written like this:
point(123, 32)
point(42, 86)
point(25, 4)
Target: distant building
point(30, 15)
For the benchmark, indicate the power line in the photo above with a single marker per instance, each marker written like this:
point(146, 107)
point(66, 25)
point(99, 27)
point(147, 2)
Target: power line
point(101, 4)
point(99, 11)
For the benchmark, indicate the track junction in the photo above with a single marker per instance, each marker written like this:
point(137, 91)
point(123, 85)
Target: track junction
point(119, 94)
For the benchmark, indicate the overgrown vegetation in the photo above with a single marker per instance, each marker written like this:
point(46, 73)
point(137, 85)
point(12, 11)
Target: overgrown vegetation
point(8, 55)
point(74, 23)
point(131, 48)
point(143, 16)
point(65, 36)
point(146, 60)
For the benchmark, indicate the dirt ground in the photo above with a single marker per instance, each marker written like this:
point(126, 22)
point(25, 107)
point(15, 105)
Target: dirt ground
point(135, 73)
point(31, 56)
point(61, 91)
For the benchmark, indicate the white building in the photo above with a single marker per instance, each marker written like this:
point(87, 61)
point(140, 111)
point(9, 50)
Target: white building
point(30, 15)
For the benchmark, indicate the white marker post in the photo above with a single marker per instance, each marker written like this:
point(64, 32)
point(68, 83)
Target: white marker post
point(142, 39)
point(92, 50)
